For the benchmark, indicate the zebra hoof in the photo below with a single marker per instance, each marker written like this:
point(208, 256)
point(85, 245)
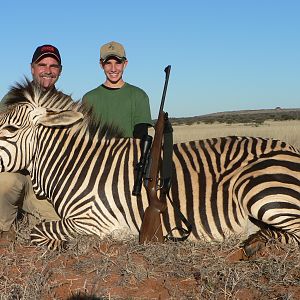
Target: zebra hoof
point(237, 255)
point(253, 244)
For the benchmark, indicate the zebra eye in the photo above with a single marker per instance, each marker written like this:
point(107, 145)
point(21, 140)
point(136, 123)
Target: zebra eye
point(11, 128)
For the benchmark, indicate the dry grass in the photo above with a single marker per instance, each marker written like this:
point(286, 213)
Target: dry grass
point(92, 268)
point(288, 131)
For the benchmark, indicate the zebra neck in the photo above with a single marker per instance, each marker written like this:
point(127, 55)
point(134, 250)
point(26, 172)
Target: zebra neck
point(64, 159)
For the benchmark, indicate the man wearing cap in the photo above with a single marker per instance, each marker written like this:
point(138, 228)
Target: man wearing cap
point(16, 188)
point(116, 101)
point(46, 66)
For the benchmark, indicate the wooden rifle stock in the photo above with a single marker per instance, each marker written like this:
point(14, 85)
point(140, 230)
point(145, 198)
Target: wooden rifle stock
point(151, 229)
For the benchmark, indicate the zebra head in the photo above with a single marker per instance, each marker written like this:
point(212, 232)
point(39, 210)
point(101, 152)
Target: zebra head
point(25, 110)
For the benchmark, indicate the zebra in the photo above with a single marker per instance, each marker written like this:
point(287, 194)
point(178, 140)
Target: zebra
point(87, 171)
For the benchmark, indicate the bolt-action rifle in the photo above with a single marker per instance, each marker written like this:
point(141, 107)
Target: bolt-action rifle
point(151, 229)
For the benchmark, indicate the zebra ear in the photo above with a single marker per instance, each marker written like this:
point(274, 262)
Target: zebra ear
point(60, 118)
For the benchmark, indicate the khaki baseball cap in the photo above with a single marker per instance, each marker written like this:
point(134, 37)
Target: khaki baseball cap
point(112, 49)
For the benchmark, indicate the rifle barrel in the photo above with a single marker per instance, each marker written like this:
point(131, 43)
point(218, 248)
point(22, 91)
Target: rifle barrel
point(162, 103)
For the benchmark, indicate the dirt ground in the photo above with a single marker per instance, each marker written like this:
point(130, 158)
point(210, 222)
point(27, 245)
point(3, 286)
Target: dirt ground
point(110, 269)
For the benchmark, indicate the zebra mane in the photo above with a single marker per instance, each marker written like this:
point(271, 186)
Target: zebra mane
point(28, 92)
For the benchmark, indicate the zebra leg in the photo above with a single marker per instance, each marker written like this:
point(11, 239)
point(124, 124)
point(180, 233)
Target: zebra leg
point(258, 240)
point(281, 225)
point(269, 193)
point(55, 235)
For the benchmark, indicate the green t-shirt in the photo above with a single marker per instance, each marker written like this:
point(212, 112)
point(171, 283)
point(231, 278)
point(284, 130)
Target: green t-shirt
point(124, 107)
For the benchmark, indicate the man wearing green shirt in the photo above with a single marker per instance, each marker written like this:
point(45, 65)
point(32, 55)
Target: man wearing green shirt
point(116, 101)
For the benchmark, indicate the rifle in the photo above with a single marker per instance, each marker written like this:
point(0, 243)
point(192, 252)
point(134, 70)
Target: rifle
point(151, 229)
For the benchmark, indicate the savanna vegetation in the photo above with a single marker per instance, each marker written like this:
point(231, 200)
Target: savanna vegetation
point(255, 117)
point(278, 124)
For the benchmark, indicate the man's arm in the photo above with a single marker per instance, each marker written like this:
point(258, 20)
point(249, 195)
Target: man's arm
point(142, 116)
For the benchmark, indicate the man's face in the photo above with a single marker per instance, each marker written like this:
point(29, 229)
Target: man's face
point(46, 72)
point(113, 69)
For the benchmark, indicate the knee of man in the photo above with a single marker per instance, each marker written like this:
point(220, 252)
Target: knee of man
point(12, 183)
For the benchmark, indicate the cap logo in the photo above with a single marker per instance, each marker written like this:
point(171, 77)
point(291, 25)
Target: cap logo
point(111, 46)
point(47, 49)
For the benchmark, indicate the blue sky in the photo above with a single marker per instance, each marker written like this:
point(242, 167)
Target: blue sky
point(225, 55)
